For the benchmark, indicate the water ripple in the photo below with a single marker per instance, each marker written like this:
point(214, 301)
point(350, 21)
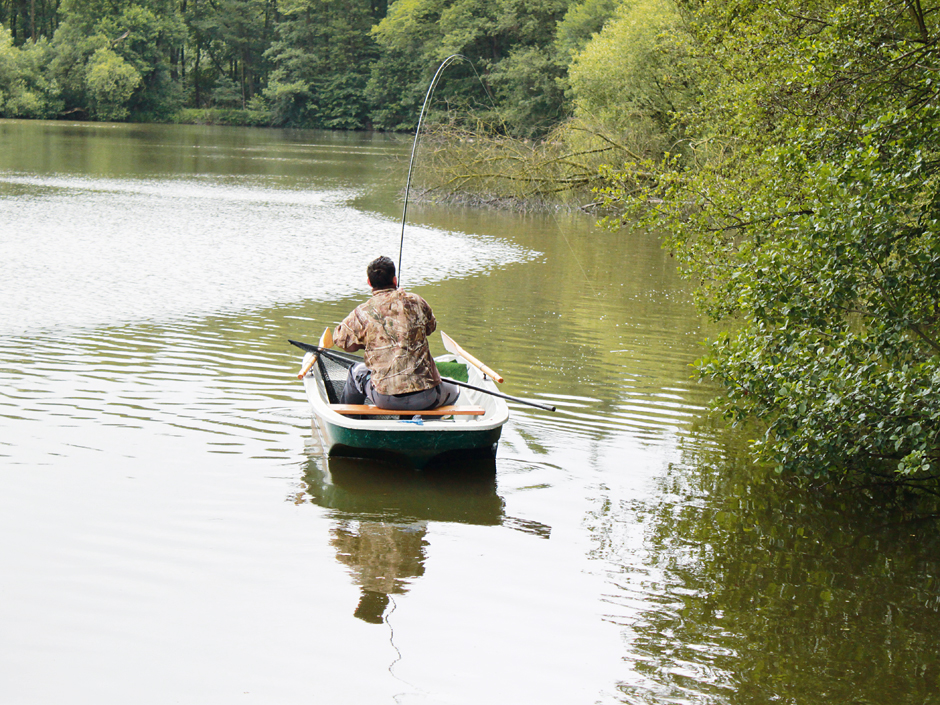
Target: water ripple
point(86, 252)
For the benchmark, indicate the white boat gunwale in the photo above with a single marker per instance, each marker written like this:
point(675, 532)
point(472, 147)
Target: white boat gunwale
point(496, 410)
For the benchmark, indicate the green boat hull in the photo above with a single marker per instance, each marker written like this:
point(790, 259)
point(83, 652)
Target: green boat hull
point(418, 446)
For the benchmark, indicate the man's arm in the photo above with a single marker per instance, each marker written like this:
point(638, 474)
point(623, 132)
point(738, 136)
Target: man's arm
point(346, 337)
point(430, 321)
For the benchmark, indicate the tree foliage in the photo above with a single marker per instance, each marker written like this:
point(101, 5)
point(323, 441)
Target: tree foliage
point(629, 74)
point(29, 20)
point(110, 82)
point(641, 89)
point(805, 205)
point(581, 22)
point(323, 58)
point(510, 44)
point(110, 59)
point(24, 85)
point(334, 64)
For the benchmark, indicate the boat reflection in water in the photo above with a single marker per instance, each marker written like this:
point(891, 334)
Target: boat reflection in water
point(382, 513)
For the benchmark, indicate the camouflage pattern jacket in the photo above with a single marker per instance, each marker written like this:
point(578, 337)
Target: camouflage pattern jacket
point(393, 327)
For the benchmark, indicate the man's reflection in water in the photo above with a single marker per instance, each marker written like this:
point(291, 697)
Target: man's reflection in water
point(381, 516)
point(382, 557)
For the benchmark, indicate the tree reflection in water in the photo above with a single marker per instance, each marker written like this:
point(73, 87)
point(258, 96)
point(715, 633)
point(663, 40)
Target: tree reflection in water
point(757, 591)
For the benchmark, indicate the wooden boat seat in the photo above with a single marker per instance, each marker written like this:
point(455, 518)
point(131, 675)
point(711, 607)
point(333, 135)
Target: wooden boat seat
point(366, 410)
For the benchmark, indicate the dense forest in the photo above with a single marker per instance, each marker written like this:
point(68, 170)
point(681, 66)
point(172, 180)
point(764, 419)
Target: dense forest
point(789, 151)
point(333, 64)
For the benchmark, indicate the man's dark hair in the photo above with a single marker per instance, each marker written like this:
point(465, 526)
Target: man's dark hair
point(381, 273)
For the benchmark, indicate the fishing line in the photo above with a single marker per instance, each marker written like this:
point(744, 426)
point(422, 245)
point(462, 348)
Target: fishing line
point(414, 150)
point(574, 254)
point(414, 147)
point(391, 637)
point(391, 640)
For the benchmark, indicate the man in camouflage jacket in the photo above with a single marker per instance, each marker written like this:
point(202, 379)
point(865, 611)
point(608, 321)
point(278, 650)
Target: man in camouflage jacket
point(399, 373)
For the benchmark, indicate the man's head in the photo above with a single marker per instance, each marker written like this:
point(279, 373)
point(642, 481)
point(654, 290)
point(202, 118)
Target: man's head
point(381, 273)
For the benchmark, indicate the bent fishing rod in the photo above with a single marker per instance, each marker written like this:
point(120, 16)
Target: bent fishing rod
point(348, 357)
point(414, 147)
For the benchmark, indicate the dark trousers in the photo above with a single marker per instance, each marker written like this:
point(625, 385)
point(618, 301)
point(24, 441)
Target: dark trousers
point(359, 388)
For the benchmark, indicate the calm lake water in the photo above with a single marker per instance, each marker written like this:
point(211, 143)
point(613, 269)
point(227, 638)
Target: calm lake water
point(170, 531)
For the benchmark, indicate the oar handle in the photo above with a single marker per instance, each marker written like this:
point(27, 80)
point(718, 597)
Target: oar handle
point(305, 370)
point(326, 341)
point(452, 346)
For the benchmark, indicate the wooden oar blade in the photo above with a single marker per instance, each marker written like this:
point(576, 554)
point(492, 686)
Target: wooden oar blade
point(451, 346)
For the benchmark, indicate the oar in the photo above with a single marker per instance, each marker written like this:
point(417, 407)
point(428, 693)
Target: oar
point(346, 357)
point(332, 353)
point(452, 347)
point(327, 341)
point(500, 395)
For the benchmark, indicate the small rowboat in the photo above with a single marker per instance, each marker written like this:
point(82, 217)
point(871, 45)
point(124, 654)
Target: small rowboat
point(470, 426)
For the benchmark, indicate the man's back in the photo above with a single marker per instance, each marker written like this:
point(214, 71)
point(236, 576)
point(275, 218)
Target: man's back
point(393, 327)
